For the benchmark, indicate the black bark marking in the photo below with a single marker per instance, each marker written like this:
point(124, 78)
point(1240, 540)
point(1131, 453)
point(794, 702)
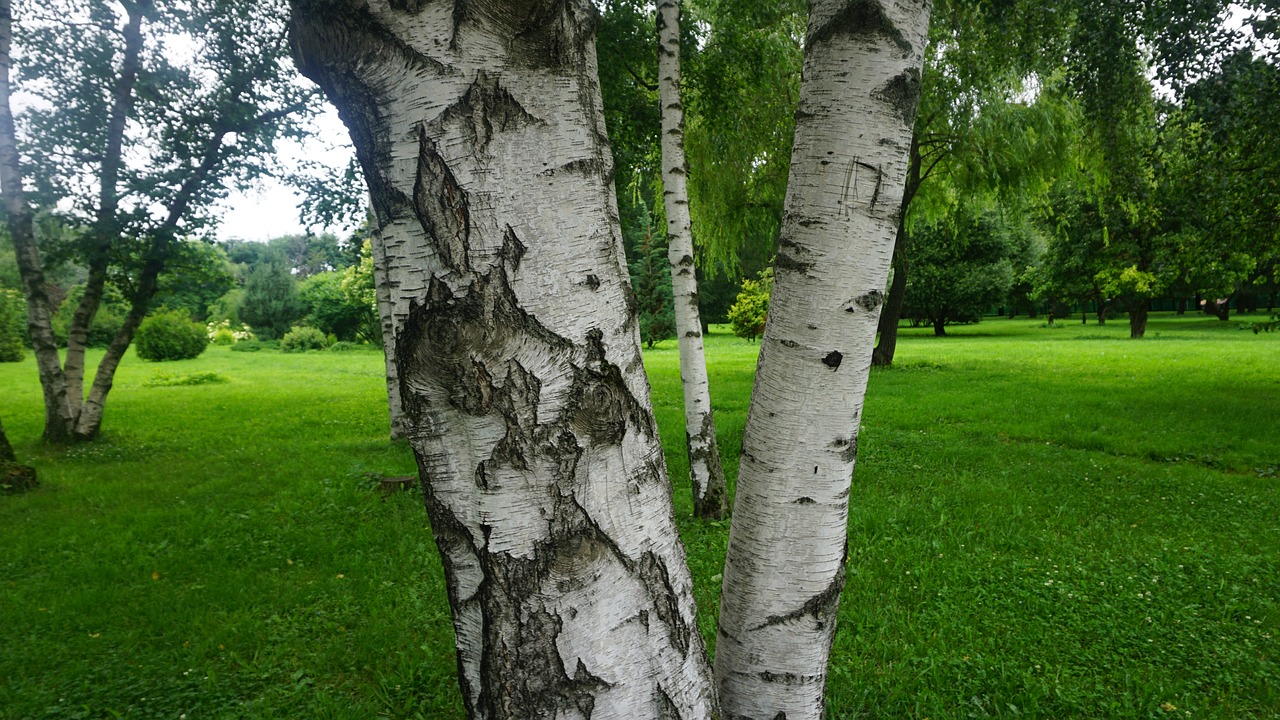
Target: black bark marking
point(486, 108)
point(440, 205)
point(667, 709)
point(780, 716)
point(789, 679)
point(861, 17)
point(693, 334)
point(592, 282)
point(785, 262)
point(821, 607)
point(869, 302)
point(902, 93)
point(411, 7)
point(833, 360)
point(804, 501)
point(665, 601)
point(586, 166)
point(848, 448)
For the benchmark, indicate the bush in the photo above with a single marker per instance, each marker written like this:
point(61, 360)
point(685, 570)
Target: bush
point(12, 312)
point(302, 339)
point(170, 336)
point(270, 302)
point(751, 309)
point(345, 346)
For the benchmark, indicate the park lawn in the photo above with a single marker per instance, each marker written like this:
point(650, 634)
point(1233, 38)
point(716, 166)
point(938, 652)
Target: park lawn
point(1046, 521)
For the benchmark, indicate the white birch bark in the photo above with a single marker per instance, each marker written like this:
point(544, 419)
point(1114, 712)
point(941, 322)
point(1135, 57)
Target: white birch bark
point(479, 127)
point(382, 290)
point(710, 497)
point(787, 546)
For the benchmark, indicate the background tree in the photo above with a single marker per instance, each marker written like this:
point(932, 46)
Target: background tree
point(134, 149)
point(750, 309)
point(12, 311)
point(651, 280)
point(710, 495)
point(959, 269)
point(271, 304)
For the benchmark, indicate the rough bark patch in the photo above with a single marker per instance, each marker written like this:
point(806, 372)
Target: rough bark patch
point(821, 607)
point(861, 17)
point(485, 108)
point(869, 302)
point(441, 205)
point(902, 93)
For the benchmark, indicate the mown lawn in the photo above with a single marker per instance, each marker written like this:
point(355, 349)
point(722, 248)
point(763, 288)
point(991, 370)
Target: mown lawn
point(1047, 522)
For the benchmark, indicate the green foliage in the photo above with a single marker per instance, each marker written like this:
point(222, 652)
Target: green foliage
point(959, 270)
point(253, 346)
point(13, 311)
point(651, 280)
point(750, 310)
point(202, 378)
point(271, 305)
point(343, 303)
point(197, 276)
point(302, 339)
point(170, 335)
point(106, 323)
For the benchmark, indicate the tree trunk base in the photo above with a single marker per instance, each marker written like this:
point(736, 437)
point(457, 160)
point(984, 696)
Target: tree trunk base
point(16, 479)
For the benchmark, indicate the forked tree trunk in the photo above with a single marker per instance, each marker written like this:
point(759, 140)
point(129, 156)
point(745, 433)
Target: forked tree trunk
point(480, 130)
point(710, 497)
point(787, 545)
point(386, 318)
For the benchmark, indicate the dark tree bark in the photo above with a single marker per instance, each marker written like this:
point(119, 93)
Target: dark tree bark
point(891, 313)
point(1138, 318)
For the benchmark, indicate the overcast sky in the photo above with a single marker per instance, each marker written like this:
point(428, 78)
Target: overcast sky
point(273, 210)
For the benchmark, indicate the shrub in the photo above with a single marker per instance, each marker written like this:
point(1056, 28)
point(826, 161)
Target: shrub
point(170, 336)
point(221, 333)
point(344, 346)
point(167, 380)
point(302, 339)
point(255, 345)
point(12, 311)
point(751, 309)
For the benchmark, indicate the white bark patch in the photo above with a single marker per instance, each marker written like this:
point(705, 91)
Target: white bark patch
point(787, 546)
point(480, 130)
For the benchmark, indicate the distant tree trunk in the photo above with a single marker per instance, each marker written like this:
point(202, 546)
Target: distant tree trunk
point(891, 313)
point(1138, 318)
point(785, 565)
point(939, 328)
point(1104, 307)
point(1182, 306)
point(481, 134)
point(382, 289)
point(710, 496)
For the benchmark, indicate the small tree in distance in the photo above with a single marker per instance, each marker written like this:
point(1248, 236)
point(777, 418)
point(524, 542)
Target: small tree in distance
point(271, 304)
point(959, 270)
point(651, 281)
point(751, 308)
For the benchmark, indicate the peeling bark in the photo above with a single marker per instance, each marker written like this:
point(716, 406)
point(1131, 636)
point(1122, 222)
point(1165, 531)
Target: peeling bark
point(787, 544)
point(710, 496)
point(480, 132)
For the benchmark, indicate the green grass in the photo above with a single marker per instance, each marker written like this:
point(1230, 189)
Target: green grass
point(1050, 522)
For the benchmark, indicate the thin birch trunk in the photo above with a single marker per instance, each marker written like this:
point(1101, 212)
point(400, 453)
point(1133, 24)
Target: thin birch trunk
point(480, 130)
point(58, 417)
point(891, 312)
point(710, 497)
point(386, 318)
point(787, 545)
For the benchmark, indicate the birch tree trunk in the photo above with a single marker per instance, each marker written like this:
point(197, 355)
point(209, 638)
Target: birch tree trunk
point(710, 496)
point(382, 289)
point(479, 127)
point(58, 417)
point(787, 545)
